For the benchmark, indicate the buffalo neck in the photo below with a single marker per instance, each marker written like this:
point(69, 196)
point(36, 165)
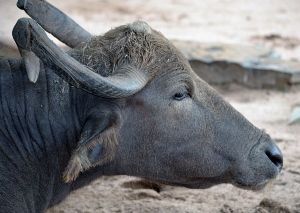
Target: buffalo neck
point(39, 127)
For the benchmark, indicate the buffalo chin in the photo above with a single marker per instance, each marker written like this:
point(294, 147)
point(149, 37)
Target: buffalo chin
point(204, 183)
point(197, 182)
point(256, 187)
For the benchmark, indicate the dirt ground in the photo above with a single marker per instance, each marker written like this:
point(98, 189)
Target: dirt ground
point(271, 23)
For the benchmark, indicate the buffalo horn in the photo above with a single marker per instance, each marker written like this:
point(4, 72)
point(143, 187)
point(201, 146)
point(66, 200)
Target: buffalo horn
point(125, 81)
point(55, 22)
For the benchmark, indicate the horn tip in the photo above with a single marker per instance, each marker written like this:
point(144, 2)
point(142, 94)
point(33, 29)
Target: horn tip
point(21, 4)
point(32, 64)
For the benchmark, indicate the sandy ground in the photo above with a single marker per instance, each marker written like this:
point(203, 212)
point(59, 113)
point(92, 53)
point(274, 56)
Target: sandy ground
point(271, 23)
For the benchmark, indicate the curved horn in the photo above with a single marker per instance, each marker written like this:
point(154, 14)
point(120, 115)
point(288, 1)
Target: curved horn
point(125, 82)
point(55, 22)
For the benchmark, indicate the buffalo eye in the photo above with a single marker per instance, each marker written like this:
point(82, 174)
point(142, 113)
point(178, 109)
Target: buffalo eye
point(180, 96)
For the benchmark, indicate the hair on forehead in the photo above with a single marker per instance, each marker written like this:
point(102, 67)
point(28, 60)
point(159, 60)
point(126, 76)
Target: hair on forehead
point(136, 44)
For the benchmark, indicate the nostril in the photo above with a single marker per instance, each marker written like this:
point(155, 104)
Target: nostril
point(275, 156)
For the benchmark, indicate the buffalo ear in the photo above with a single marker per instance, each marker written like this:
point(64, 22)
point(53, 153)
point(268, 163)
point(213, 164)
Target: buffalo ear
point(98, 138)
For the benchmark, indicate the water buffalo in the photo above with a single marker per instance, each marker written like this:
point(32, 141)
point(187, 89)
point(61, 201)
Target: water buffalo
point(126, 103)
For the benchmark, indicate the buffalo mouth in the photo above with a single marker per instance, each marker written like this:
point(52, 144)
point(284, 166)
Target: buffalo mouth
point(257, 181)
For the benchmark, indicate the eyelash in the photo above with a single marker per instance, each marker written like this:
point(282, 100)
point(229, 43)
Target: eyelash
point(181, 95)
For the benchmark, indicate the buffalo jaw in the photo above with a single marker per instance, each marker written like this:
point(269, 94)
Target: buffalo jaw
point(196, 141)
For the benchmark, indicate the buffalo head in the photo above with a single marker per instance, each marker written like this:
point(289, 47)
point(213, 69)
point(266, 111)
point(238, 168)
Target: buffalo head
point(151, 115)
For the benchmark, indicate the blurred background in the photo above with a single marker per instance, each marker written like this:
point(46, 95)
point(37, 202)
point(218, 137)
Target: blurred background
point(274, 23)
